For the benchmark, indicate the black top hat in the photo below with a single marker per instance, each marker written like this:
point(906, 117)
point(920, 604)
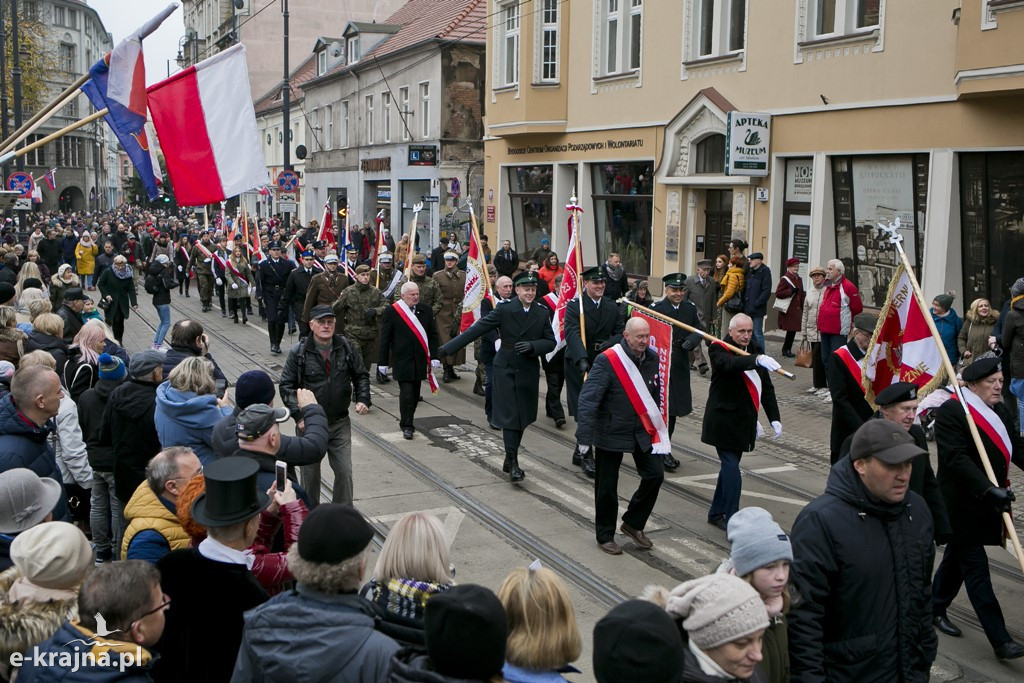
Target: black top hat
point(232, 493)
point(527, 277)
point(674, 280)
point(594, 274)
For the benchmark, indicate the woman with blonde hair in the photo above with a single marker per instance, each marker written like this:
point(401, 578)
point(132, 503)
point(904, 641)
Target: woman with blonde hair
point(187, 408)
point(33, 257)
point(979, 322)
point(543, 636)
point(29, 271)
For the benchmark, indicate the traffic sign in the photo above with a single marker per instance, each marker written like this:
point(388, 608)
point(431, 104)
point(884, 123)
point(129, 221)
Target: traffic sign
point(429, 199)
point(456, 188)
point(287, 181)
point(21, 182)
point(287, 207)
point(23, 204)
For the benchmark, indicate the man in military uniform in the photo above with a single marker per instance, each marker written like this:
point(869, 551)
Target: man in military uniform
point(430, 292)
point(351, 262)
point(295, 289)
point(388, 279)
point(320, 255)
point(358, 306)
point(702, 290)
point(452, 283)
point(325, 288)
point(525, 334)
point(220, 261)
point(674, 306)
point(274, 273)
point(603, 326)
point(202, 261)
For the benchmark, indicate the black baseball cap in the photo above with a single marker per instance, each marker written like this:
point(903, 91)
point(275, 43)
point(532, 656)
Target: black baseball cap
point(257, 419)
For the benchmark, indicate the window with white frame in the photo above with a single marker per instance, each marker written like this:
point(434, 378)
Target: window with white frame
point(424, 110)
point(549, 41)
point(321, 63)
point(403, 112)
point(621, 35)
point(385, 108)
point(66, 57)
point(72, 18)
point(353, 50)
point(328, 127)
point(59, 16)
point(344, 125)
point(720, 27)
point(369, 119)
point(508, 55)
point(842, 17)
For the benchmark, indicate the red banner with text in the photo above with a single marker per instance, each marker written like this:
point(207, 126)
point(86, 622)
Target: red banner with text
point(660, 343)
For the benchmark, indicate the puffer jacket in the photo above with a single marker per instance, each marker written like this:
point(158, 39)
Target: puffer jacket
point(57, 288)
point(27, 445)
point(863, 570)
point(840, 302)
point(809, 316)
point(1013, 337)
point(974, 336)
point(183, 418)
point(337, 633)
point(732, 283)
point(949, 327)
point(24, 624)
point(69, 446)
point(305, 369)
point(153, 528)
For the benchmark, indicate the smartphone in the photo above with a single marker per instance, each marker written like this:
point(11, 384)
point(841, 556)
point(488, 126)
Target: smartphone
point(282, 474)
point(222, 387)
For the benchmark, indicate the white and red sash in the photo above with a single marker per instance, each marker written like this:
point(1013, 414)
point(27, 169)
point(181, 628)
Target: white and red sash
point(207, 254)
point(990, 425)
point(220, 261)
point(409, 316)
point(552, 300)
point(234, 271)
point(184, 252)
point(641, 399)
point(390, 289)
point(751, 379)
point(852, 365)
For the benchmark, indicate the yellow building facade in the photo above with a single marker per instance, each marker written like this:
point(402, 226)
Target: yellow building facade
point(878, 109)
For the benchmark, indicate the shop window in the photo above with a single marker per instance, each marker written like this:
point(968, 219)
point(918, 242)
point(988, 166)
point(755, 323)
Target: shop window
point(623, 206)
point(872, 190)
point(530, 199)
point(992, 224)
point(711, 154)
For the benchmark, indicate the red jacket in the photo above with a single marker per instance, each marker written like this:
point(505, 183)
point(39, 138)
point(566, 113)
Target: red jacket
point(839, 303)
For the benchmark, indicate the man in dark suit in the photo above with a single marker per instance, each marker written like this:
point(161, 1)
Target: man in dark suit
point(843, 373)
point(295, 289)
point(602, 325)
point(525, 335)
point(610, 421)
point(730, 416)
point(680, 402)
point(400, 340)
point(274, 273)
point(503, 291)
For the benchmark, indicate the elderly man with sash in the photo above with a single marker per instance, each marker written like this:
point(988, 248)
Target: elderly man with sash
point(202, 262)
point(409, 336)
point(850, 409)
point(525, 333)
point(975, 504)
point(740, 386)
point(619, 413)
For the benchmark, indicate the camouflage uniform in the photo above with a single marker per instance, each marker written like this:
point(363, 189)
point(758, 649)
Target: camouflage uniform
point(453, 286)
point(430, 292)
point(350, 309)
point(203, 265)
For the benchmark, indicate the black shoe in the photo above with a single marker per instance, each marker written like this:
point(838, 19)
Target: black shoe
point(589, 467)
point(382, 378)
point(447, 374)
point(559, 422)
point(187, 296)
point(454, 375)
point(291, 330)
point(719, 522)
point(223, 313)
point(577, 459)
point(478, 389)
point(946, 626)
point(1010, 650)
point(703, 369)
point(515, 473)
point(671, 464)
point(407, 433)
point(245, 321)
point(234, 320)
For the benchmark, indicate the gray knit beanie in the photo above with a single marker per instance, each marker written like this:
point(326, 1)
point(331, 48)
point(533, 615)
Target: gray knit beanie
point(717, 609)
point(757, 540)
point(1017, 288)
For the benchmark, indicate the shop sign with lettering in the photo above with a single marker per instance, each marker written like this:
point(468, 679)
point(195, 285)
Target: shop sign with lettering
point(747, 142)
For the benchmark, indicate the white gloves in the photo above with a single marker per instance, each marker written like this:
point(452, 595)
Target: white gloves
point(179, 269)
point(251, 290)
point(435, 363)
point(234, 285)
point(584, 449)
point(382, 369)
point(760, 431)
point(219, 282)
point(768, 363)
point(777, 426)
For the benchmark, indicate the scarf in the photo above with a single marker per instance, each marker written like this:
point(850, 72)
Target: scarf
point(708, 665)
point(405, 597)
point(123, 272)
point(615, 272)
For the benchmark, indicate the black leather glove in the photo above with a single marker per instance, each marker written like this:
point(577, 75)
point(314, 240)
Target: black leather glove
point(689, 345)
point(583, 365)
point(370, 313)
point(442, 352)
point(999, 498)
point(606, 345)
point(523, 347)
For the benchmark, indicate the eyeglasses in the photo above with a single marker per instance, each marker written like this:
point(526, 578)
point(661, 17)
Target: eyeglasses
point(324, 321)
point(162, 606)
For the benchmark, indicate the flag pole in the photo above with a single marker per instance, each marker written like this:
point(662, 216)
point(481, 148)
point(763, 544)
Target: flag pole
point(479, 246)
point(53, 136)
point(43, 115)
point(892, 230)
point(416, 208)
point(574, 207)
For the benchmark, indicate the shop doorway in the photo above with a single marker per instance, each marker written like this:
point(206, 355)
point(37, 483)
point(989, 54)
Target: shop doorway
point(717, 222)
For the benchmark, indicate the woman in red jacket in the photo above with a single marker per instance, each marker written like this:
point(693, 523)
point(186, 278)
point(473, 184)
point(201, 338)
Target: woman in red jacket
point(790, 288)
point(550, 270)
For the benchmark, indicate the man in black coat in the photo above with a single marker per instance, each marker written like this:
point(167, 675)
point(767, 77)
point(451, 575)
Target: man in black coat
point(503, 293)
point(757, 290)
point(274, 273)
point(71, 312)
point(401, 343)
point(295, 289)
point(975, 504)
point(616, 280)
point(608, 420)
point(526, 335)
point(862, 562)
point(220, 260)
point(850, 409)
point(730, 416)
point(554, 372)
point(602, 325)
point(506, 259)
point(674, 305)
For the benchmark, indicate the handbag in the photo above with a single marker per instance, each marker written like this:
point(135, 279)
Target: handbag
point(804, 355)
point(735, 304)
point(782, 305)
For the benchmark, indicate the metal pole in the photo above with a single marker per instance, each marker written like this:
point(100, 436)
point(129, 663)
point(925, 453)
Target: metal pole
point(16, 72)
point(3, 89)
point(286, 109)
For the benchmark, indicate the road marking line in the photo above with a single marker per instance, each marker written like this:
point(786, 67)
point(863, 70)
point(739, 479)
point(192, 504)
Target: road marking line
point(754, 494)
point(788, 467)
point(695, 568)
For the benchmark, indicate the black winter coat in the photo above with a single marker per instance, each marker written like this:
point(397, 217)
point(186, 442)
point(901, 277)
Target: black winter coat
point(307, 449)
point(962, 478)
point(849, 407)
point(163, 278)
point(295, 288)
point(73, 322)
point(55, 346)
point(122, 293)
point(603, 327)
point(129, 428)
point(1012, 339)
point(506, 262)
point(680, 401)
point(178, 353)
point(401, 348)
point(863, 570)
point(25, 445)
point(606, 417)
point(757, 290)
point(614, 289)
point(305, 369)
point(91, 406)
point(730, 421)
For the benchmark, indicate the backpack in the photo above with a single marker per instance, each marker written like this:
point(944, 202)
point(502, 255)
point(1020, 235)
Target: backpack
point(151, 284)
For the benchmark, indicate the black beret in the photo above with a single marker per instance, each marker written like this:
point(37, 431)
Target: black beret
point(980, 369)
point(333, 533)
point(897, 392)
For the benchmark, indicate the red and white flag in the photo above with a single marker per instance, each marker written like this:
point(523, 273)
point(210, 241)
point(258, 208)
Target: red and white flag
point(661, 343)
point(326, 233)
point(476, 289)
point(207, 128)
point(570, 281)
point(50, 178)
point(902, 348)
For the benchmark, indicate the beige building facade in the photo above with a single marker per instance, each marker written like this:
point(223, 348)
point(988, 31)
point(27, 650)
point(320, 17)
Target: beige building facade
point(874, 110)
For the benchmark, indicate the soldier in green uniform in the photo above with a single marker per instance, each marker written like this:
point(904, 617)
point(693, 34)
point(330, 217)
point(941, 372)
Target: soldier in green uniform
point(388, 280)
point(430, 292)
point(202, 261)
point(358, 308)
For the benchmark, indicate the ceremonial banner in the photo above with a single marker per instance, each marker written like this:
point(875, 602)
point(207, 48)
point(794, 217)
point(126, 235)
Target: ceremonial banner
point(567, 292)
point(207, 128)
point(476, 290)
point(661, 343)
point(326, 233)
point(902, 348)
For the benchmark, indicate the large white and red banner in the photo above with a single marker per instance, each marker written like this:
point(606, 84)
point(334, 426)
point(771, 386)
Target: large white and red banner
point(207, 128)
point(476, 288)
point(326, 233)
point(660, 343)
point(570, 283)
point(902, 348)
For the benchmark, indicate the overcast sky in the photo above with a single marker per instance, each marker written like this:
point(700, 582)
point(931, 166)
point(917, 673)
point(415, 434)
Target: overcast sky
point(122, 17)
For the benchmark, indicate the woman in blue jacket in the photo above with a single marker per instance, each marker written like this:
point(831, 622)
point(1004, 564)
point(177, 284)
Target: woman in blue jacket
point(187, 408)
point(948, 323)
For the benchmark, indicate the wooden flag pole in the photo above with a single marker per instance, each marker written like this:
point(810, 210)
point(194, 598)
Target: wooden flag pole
point(480, 249)
point(53, 136)
point(578, 257)
point(710, 337)
point(43, 115)
point(416, 208)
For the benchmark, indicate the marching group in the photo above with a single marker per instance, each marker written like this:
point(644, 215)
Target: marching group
point(183, 489)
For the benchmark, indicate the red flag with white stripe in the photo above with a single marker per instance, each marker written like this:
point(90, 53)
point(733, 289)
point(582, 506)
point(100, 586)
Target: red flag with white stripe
point(476, 291)
point(326, 233)
point(567, 292)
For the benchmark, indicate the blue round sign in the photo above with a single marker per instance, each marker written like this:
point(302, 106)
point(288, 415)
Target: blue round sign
point(456, 188)
point(287, 181)
point(21, 182)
